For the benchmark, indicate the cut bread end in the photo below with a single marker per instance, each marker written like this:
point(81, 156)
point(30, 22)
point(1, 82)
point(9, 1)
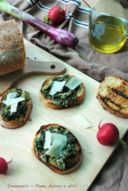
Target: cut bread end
point(12, 49)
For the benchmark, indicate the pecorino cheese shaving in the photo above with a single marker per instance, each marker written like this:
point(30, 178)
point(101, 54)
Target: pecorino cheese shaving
point(13, 101)
point(58, 141)
point(57, 87)
point(73, 83)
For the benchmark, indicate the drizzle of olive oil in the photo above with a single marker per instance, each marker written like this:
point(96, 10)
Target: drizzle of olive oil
point(108, 34)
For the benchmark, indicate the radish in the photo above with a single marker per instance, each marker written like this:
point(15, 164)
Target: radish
point(108, 134)
point(56, 15)
point(3, 165)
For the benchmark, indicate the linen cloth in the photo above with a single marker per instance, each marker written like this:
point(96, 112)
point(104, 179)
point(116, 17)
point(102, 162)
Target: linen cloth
point(114, 176)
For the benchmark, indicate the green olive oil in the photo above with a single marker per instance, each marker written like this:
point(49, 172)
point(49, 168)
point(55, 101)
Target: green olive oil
point(108, 34)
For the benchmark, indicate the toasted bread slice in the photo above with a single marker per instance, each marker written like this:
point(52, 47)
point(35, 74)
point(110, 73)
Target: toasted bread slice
point(113, 96)
point(71, 162)
point(12, 124)
point(80, 95)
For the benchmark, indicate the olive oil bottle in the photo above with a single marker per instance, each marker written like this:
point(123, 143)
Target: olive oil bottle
point(108, 33)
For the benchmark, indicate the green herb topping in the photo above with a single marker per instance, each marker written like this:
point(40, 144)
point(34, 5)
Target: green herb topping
point(68, 151)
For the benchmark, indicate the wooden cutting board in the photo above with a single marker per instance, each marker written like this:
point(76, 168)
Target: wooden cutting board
point(26, 172)
point(33, 67)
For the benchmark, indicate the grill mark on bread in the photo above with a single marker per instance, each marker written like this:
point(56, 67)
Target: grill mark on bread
point(115, 98)
point(120, 93)
point(105, 99)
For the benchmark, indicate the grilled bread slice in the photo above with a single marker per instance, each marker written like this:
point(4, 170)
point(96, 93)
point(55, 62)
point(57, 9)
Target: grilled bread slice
point(60, 151)
point(14, 119)
point(64, 98)
point(113, 96)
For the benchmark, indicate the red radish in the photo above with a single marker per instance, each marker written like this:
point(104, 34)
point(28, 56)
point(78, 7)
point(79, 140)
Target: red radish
point(108, 134)
point(56, 15)
point(3, 165)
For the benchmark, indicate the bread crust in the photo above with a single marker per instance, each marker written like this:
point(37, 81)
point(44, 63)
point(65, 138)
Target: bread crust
point(104, 104)
point(48, 102)
point(13, 124)
point(12, 49)
point(78, 158)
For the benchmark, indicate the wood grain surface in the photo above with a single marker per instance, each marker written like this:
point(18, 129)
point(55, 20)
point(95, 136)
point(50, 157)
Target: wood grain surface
point(26, 172)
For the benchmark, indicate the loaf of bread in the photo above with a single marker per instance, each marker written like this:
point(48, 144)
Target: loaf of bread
point(113, 95)
point(12, 51)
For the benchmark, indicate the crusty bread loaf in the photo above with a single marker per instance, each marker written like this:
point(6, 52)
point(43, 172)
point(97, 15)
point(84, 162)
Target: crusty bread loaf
point(49, 102)
point(12, 51)
point(113, 95)
point(12, 124)
point(71, 163)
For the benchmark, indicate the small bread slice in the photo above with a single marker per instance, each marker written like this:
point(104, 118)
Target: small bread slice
point(49, 101)
point(12, 124)
point(72, 163)
point(113, 95)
